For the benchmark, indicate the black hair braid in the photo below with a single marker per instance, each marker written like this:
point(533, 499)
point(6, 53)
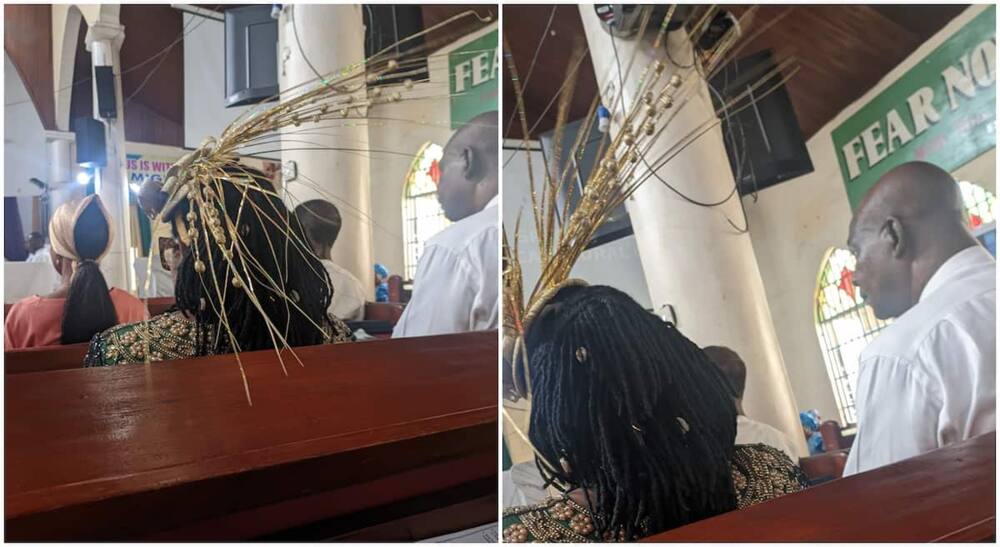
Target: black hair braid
point(636, 410)
point(266, 233)
point(89, 308)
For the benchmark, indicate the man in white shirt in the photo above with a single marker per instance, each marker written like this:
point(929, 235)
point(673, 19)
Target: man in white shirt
point(321, 223)
point(929, 379)
point(747, 431)
point(456, 286)
point(38, 250)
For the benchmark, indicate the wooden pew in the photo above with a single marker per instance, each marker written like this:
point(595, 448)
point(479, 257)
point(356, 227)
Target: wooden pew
point(159, 305)
point(371, 441)
point(824, 467)
point(948, 495)
point(20, 361)
point(71, 356)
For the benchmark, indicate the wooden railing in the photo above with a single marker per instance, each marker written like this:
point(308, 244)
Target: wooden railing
point(389, 440)
point(947, 495)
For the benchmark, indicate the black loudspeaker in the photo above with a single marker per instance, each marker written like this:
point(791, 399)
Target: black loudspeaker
point(763, 140)
point(386, 24)
point(107, 106)
point(251, 55)
point(90, 150)
point(618, 224)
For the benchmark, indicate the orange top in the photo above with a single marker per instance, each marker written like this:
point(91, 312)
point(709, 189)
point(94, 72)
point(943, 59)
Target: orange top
point(37, 321)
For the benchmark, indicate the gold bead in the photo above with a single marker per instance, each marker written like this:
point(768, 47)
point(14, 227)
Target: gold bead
point(667, 101)
point(397, 97)
point(199, 266)
point(628, 139)
point(371, 78)
point(316, 118)
point(581, 354)
point(649, 129)
point(191, 216)
point(393, 64)
point(408, 83)
point(237, 283)
point(675, 80)
point(658, 67)
point(376, 91)
point(651, 111)
point(648, 97)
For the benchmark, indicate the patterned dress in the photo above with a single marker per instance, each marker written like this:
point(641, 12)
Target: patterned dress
point(165, 337)
point(760, 473)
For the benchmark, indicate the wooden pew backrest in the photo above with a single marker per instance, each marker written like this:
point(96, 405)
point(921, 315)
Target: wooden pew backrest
point(158, 305)
point(823, 467)
point(946, 495)
point(383, 311)
point(173, 451)
point(46, 358)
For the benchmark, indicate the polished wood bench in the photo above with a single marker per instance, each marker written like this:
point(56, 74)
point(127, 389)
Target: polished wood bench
point(71, 356)
point(948, 495)
point(398, 431)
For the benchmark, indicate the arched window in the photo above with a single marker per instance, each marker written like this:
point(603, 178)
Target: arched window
point(845, 324)
point(422, 214)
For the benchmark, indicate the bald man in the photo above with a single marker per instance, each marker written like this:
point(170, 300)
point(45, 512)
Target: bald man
point(928, 380)
point(455, 288)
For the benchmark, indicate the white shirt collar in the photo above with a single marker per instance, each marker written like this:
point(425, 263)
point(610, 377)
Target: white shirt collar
point(492, 202)
point(955, 267)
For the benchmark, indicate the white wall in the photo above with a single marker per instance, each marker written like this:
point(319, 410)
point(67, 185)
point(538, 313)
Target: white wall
point(793, 224)
point(616, 264)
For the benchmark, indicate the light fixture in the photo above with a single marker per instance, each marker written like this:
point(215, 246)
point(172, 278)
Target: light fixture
point(134, 186)
point(83, 177)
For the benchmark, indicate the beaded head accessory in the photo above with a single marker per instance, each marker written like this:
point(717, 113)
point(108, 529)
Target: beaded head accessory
point(203, 183)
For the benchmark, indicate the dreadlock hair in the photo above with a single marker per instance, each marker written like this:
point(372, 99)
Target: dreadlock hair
point(628, 409)
point(272, 253)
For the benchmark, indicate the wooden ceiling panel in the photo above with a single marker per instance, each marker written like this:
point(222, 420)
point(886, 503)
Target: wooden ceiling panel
point(841, 50)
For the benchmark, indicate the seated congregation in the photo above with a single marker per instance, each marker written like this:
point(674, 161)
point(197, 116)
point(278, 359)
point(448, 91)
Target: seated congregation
point(131, 421)
point(639, 433)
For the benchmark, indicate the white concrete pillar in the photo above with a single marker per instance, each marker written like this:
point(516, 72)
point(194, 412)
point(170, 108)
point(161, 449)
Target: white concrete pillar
point(104, 40)
point(332, 37)
point(692, 258)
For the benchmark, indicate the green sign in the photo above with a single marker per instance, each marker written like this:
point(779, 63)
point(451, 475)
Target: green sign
point(943, 110)
point(473, 72)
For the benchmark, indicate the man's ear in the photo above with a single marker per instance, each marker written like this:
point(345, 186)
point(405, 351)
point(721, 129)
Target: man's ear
point(894, 232)
point(472, 165)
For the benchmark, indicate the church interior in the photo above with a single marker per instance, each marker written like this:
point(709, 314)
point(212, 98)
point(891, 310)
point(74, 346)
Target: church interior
point(239, 116)
point(739, 238)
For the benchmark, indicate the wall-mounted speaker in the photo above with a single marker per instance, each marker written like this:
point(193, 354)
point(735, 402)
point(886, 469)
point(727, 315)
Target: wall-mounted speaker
point(251, 55)
point(90, 150)
point(107, 106)
point(763, 139)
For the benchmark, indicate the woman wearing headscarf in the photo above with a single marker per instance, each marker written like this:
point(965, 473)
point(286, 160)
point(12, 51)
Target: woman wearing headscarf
point(633, 423)
point(244, 277)
point(80, 235)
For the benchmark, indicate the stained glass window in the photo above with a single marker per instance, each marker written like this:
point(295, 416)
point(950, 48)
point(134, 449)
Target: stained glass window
point(980, 205)
point(845, 324)
point(422, 214)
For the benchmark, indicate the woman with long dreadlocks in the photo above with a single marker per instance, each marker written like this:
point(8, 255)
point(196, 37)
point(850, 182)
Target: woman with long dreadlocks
point(633, 422)
point(243, 278)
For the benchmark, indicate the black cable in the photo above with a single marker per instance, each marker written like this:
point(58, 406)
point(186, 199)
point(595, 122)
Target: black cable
point(621, 94)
